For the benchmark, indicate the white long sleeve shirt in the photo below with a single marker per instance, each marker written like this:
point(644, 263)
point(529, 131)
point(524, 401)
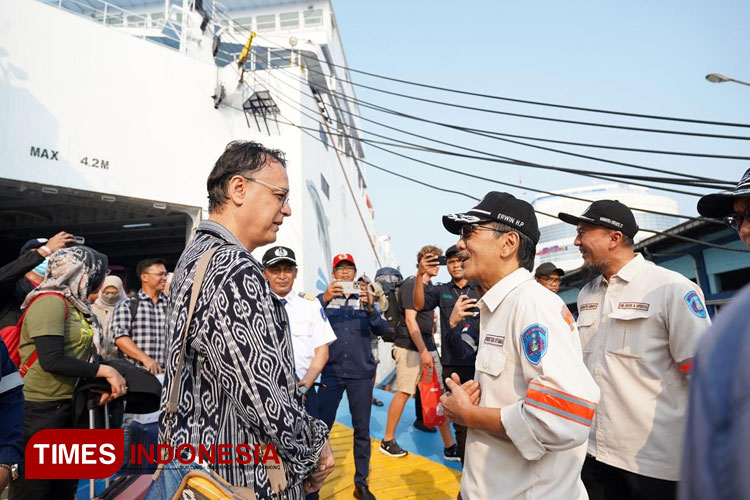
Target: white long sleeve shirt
point(639, 332)
point(529, 364)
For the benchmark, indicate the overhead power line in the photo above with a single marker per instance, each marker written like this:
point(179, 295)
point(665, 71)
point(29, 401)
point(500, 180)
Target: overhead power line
point(492, 135)
point(512, 161)
point(445, 190)
point(510, 99)
point(289, 101)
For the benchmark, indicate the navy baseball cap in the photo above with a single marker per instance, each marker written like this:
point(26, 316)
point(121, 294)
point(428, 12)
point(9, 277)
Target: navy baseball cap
point(606, 213)
point(497, 207)
point(453, 250)
point(33, 244)
point(721, 204)
point(548, 268)
point(278, 254)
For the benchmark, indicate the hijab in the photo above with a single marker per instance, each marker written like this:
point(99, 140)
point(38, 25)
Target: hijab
point(104, 305)
point(73, 272)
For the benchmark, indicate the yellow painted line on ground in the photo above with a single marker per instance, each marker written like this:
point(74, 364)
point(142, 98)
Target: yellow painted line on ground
point(412, 476)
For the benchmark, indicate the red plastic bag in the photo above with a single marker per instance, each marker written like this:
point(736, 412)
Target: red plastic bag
point(429, 389)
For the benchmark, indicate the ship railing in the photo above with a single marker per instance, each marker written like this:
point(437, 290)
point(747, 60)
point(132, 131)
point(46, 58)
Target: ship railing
point(153, 26)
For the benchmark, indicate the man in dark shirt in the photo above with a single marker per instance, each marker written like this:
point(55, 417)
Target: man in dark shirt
point(452, 324)
point(351, 365)
point(412, 353)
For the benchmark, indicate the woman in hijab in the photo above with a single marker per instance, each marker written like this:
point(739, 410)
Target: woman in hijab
point(111, 294)
point(55, 347)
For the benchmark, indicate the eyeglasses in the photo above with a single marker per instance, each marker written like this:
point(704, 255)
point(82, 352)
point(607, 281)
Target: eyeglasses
point(735, 221)
point(161, 275)
point(275, 271)
point(344, 268)
point(468, 229)
point(283, 197)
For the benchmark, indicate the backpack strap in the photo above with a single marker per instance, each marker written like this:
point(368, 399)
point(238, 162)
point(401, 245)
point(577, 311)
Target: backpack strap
point(133, 303)
point(32, 359)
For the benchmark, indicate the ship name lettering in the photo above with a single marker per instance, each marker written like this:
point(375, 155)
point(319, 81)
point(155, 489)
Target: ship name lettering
point(47, 154)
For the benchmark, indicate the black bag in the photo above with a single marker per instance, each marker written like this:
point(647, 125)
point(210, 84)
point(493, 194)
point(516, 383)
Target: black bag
point(390, 280)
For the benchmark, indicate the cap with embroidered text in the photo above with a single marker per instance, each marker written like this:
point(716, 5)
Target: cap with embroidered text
point(606, 213)
point(343, 257)
point(497, 207)
point(279, 254)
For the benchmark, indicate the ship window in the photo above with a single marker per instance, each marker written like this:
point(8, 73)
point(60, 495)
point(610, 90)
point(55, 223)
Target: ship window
point(313, 17)
point(325, 187)
point(136, 21)
point(157, 19)
point(323, 136)
point(114, 19)
point(281, 58)
point(245, 22)
point(261, 57)
point(289, 20)
point(266, 22)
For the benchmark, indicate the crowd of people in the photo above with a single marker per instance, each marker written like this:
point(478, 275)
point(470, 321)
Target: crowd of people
point(630, 398)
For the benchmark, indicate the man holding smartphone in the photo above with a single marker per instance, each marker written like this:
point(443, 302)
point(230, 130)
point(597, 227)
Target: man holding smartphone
point(462, 294)
point(413, 353)
point(351, 366)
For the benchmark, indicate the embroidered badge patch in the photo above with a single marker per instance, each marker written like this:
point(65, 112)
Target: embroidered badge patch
point(568, 318)
point(695, 304)
point(323, 314)
point(534, 341)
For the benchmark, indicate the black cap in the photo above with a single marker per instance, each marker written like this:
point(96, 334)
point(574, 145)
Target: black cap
point(548, 268)
point(497, 207)
point(33, 244)
point(278, 254)
point(606, 213)
point(453, 250)
point(722, 204)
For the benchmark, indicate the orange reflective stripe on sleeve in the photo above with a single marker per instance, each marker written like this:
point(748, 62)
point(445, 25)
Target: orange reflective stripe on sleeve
point(561, 404)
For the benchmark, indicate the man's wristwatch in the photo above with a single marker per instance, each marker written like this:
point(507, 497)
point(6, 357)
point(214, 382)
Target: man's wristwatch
point(12, 470)
point(303, 389)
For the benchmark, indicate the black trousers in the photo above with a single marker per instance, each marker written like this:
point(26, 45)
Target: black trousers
point(465, 373)
point(38, 416)
point(604, 482)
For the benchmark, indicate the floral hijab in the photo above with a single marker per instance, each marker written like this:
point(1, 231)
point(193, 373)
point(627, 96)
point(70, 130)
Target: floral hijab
point(74, 273)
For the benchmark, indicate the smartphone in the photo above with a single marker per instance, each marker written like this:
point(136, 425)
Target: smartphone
point(349, 287)
point(442, 260)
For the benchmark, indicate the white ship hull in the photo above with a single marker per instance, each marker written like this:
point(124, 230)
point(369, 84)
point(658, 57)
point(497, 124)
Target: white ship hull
point(112, 137)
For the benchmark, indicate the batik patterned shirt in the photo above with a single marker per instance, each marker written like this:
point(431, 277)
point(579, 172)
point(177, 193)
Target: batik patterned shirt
point(238, 384)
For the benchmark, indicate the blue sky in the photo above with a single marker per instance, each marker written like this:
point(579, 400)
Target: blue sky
point(644, 57)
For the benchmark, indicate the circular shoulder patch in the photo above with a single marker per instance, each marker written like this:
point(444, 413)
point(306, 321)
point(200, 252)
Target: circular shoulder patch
point(534, 342)
point(695, 304)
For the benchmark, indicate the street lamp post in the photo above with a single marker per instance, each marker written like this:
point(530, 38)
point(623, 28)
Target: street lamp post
point(719, 78)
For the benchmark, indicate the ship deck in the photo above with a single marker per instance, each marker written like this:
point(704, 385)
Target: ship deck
point(421, 474)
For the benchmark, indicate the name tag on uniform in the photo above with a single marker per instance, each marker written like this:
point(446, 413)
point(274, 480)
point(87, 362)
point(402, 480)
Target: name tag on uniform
point(589, 307)
point(495, 340)
point(636, 306)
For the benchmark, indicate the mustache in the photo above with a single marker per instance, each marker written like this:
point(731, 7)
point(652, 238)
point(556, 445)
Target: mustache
point(462, 255)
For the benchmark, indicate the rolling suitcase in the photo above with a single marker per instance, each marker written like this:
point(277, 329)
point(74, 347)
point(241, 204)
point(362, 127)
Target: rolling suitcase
point(147, 436)
point(127, 488)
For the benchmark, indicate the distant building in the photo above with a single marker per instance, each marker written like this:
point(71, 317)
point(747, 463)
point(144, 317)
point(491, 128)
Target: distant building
point(556, 241)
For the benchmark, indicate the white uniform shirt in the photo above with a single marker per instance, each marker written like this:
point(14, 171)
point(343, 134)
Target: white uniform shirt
point(309, 327)
point(639, 333)
point(529, 364)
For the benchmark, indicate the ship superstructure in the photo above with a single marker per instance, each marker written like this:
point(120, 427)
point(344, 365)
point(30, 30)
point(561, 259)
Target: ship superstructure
point(113, 113)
